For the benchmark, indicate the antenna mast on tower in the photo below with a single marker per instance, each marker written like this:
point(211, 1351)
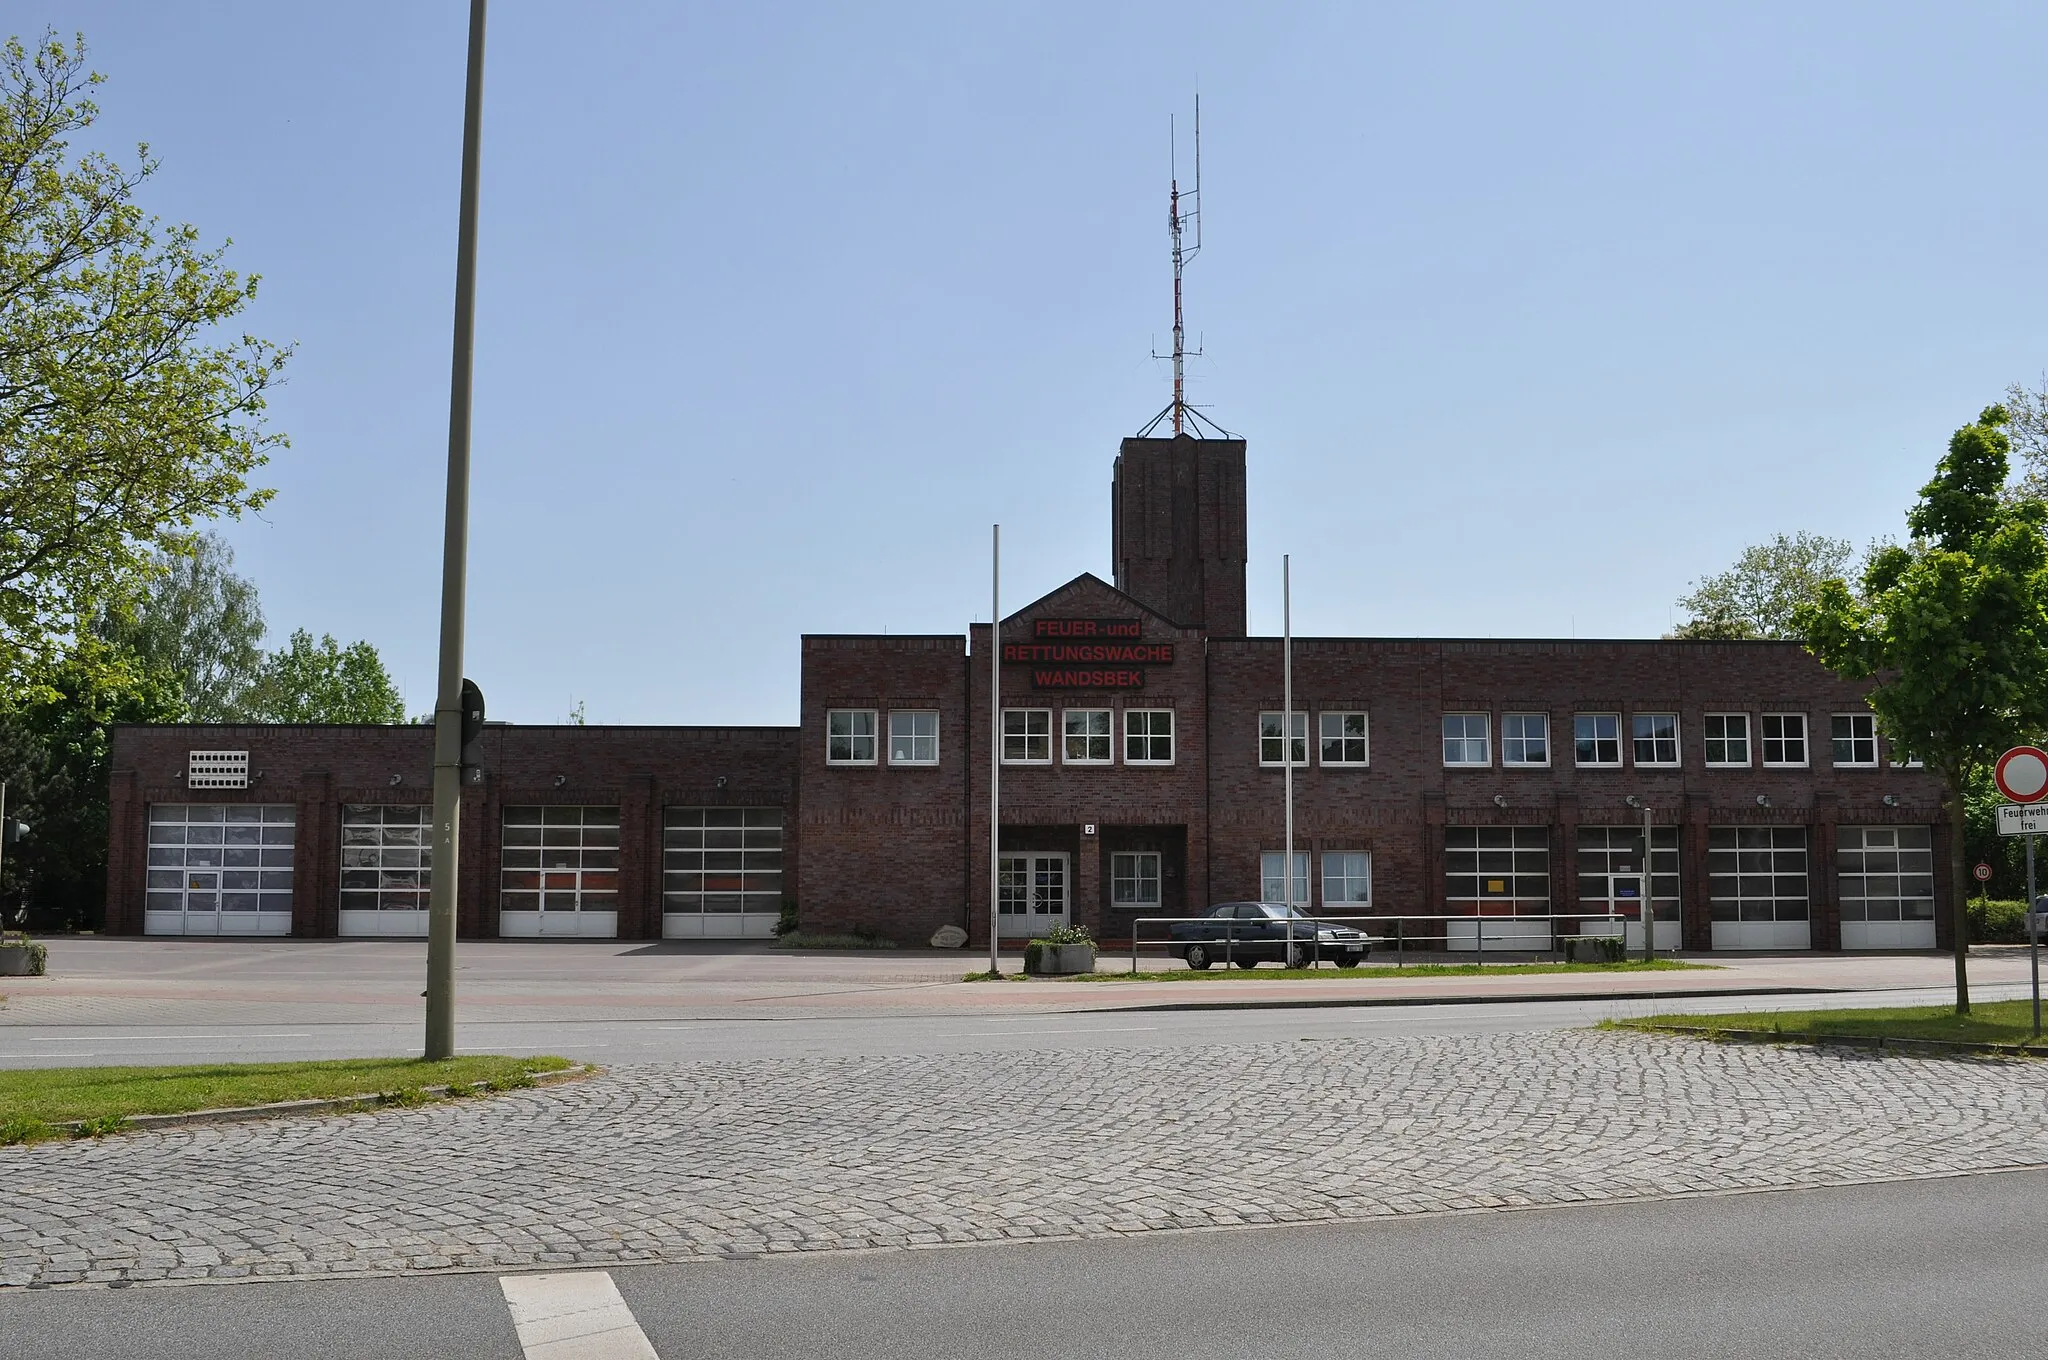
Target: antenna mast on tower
point(1183, 219)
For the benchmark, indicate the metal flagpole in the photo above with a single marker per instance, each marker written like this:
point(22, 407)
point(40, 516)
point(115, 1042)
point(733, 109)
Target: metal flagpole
point(995, 741)
point(440, 1039)
point(1648, 913)
point(1287, 729)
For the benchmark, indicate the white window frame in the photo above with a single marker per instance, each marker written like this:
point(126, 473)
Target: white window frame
point(1269, 732)
point(1332, 905)
point(1107, 736)
point(1596, 739)
point(1343, 739)
point(852, 736)
point(1542, 720)
point(1707, 740)
point(1148, 736)
point(1909, 763)
point(1869, 722)
point(1637, 741)
point(1271, 863)
point(1026, 735)
point(1135, 861)
point(1485, 740)
point(1764, 740)
point(921, 741)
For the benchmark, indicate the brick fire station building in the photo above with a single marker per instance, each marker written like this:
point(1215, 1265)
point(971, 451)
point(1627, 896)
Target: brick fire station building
point(1143, 748)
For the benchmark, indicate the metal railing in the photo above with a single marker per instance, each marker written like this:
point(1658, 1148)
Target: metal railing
point(1305, 930)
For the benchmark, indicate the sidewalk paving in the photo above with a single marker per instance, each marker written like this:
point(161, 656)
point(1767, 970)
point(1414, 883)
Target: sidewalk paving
point(125, 981)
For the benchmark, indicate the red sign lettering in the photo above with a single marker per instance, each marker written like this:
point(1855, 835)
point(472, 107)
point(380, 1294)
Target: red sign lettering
point(1079, 679)
point(1113, 653)
point(1087, 628)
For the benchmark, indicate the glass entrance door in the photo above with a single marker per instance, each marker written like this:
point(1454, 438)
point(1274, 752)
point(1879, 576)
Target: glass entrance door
point(1031, 894)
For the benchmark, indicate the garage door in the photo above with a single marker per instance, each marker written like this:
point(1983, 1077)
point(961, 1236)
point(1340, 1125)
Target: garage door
point(219, 869)
point(561, 872)
point(721, 873)
point(1756, 879)
point(1493, 872)
point(1887, 883)
point(385, 854)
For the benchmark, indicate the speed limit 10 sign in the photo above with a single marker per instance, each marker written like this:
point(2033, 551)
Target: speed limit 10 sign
point(1983, 872)
point(2022, 774)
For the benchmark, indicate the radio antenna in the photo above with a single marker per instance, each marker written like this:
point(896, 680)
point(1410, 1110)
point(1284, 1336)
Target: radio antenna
point(1183, 221)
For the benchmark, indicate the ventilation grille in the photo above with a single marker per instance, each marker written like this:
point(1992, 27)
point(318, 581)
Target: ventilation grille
point(218, 770)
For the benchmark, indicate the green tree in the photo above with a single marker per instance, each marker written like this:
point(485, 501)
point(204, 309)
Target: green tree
point(324, 682)
point(2028, 408)
point(1954, 625)
point(55, 740)
point(1757, 597)
point(126, 417)
point(198, 621)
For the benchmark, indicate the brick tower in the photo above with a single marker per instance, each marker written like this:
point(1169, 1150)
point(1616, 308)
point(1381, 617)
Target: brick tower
point(1177, 529)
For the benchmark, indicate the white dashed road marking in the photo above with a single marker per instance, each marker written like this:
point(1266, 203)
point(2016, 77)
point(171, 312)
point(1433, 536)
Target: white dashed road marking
point(574, 1316)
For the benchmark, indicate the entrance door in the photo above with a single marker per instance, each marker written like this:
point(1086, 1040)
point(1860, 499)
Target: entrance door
point(1031, 894)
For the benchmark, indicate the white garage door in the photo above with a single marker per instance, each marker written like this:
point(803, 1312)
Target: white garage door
point(1756, 878)
point(385, 859)
point(561, 872)
point(1887, 882)
point(219, 869)
point(721, 873)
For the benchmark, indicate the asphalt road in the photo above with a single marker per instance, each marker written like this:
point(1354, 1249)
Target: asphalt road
point(1921, 1268)
point(680, 1039)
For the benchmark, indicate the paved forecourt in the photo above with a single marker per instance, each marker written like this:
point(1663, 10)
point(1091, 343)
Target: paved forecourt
point(679, 1162)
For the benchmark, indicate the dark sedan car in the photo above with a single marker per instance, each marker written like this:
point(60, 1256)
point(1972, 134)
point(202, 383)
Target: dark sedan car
point(1247, 933)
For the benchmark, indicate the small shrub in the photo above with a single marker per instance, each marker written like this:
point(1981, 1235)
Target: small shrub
point(1034, 952)
point(1066, 935)
point(785, 924)
point(1997, 922)
point(853, 939)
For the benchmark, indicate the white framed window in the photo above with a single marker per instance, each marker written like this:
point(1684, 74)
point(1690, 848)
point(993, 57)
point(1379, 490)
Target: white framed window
point(1271, 887)
point(1596, 738)
point(913, 737)
point(1727, 736)
point(387, 857)
point(1656, 738)
point(1467, 740)
point(1854, 738)
point(1347, 879)
point(1904, 763)
point(1148, 736)
point(850, 736)
point(1134, 879)
point(1525, 739)
point(1090, 740)
point(1270, 742)
point(1784, 738)
point(1344, 739)
point(1027, 736)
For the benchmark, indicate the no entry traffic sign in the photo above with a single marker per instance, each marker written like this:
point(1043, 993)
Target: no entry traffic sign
point(2022, 774)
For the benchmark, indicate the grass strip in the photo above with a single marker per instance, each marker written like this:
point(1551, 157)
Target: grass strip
point(37, 1098)
point(1989, 1022)
point(1264, 974)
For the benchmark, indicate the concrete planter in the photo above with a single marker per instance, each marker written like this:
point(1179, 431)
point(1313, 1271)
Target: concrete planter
point(18, 961)
point(1050, 960)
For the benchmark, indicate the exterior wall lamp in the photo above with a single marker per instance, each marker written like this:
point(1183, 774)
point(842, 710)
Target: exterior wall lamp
point(1891, 800)
point(1500, 800)
point(1763, 800)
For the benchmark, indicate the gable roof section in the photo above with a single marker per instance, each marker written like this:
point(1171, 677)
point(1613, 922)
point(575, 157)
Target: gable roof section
point(1088, 581)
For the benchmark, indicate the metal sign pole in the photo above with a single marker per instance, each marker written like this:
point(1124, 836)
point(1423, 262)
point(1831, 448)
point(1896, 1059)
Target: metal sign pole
point(1643, 907)
point(2033, 938)
point(1287, 736)
point(995, 741)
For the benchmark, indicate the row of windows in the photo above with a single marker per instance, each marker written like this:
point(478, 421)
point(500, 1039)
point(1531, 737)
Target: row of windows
point(1086, 737)
point(1654, 740)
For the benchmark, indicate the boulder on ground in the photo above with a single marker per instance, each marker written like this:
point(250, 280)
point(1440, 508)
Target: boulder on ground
point(949, 937)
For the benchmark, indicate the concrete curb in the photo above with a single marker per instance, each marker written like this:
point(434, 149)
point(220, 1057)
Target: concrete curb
point(1518, 998)
point(373, 1100)
point(1937, 1047)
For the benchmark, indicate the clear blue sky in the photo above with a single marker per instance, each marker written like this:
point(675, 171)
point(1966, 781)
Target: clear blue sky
point(1532, 314)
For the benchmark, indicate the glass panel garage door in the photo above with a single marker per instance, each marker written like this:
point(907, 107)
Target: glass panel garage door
point(1756, 878)
point(561, 872)
point(1887, 881)
point(1496, 871)
point(385, 858)
point(721, 873)
point(1611, 879)
point(219, 869)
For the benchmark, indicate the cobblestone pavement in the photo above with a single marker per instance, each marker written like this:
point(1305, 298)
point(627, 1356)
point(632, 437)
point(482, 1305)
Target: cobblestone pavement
point(678, 1162)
